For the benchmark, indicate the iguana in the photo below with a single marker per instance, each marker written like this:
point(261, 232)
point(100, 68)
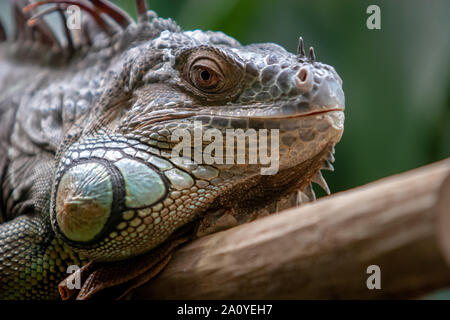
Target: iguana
point(87, 173)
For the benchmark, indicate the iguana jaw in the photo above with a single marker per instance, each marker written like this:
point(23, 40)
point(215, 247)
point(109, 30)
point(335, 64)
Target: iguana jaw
point(267, 194)
point(303, 152)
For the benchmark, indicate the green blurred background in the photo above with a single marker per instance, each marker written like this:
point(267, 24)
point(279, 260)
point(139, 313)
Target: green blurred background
point(396, 80)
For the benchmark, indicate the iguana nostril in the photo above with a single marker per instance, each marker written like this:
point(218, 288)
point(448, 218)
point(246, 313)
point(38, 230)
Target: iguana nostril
point(83, 201)
point(302, 75)
point(304, 79)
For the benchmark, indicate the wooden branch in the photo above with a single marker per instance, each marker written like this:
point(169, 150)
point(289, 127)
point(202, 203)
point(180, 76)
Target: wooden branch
point(322, 250)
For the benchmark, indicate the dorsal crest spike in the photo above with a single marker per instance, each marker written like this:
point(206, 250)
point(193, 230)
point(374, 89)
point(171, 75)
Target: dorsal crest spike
point(47, 36)
point(2, 33)
point(102, 16)
point(83, 5)
point(117, 14)
point(312, 54)
point(300, 50)
point(22, 31)
point(141, 6)
point(35, 18)
point(70, 44)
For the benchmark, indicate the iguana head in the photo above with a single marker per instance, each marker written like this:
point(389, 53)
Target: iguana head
point(120, 190)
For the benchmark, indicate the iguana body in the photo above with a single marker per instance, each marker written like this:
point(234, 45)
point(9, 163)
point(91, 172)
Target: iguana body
point(85, 145)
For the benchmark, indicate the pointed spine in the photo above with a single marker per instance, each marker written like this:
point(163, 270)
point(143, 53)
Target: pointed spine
point(47, 36)
point(141, 6)
point(309, 192)
point(319, 179)
point(117, 14)
point(86, 6)
point(70, 45)
point(22, 31)
point(330, 157)
point(327, 166)
point(301, 198)
point(301, 49)
point(312, 54)
point(2, 33)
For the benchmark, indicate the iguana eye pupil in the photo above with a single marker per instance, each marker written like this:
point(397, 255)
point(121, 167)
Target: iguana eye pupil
point(205, 75)
point(205, 78)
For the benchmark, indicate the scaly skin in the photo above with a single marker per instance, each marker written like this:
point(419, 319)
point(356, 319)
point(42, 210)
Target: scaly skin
point(85, 143)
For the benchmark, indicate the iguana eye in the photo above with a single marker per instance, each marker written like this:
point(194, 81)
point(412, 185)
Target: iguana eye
point(206, 75)
point(210, 73)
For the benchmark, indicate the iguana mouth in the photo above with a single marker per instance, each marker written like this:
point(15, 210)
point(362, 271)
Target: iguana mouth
point(206, 117)
point(281, 117)
point(312, 113)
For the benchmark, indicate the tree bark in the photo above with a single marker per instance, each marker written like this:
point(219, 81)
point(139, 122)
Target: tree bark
point(322, 250)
